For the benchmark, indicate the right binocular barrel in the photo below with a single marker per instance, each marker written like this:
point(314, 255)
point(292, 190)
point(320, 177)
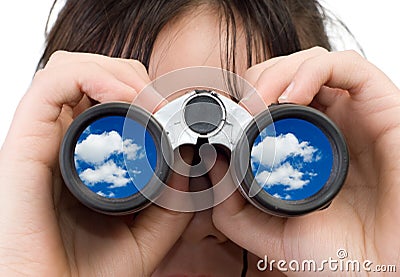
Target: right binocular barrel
point(291, 160)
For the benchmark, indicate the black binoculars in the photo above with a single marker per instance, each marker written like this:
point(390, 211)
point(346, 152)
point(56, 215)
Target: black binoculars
point(288, 160)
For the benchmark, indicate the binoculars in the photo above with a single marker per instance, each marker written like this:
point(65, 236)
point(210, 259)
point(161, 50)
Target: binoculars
point(288, 160)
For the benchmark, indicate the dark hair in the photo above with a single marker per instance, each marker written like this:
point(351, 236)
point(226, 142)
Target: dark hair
point(129, 28)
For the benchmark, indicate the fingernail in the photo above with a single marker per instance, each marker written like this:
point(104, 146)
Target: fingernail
point(253, 103)
point(150, 99)
point(285, 95)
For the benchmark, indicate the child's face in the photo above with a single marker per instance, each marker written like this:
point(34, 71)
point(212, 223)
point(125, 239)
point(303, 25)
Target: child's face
point(202, 250)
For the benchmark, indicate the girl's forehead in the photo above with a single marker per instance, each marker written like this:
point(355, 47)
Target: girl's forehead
point(195, 39)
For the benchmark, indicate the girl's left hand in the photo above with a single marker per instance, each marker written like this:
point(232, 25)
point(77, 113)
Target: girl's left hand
point(363, 218)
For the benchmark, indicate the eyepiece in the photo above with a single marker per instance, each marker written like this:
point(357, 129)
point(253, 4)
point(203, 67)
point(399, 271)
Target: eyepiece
point(204, 113)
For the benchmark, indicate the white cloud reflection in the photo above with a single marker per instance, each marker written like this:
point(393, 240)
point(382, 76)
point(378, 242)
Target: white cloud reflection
point(283, 146)
point(108, 172)
point(96, 148)
point(272, 155)
point(104, 153)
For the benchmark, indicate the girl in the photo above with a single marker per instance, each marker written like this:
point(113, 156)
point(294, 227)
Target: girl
point(111, 51)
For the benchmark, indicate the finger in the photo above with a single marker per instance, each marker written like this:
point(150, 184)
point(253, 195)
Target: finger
point(83, 105)
point(252, 100)
point(275, 77)
point(345, 70)
point(175, 195)
point(253, 73)
point(129, 71)
point(157, 229)
point(150, 99)
point(220, 176)
point(327, 96)
point(53, 88)
point(242, 223)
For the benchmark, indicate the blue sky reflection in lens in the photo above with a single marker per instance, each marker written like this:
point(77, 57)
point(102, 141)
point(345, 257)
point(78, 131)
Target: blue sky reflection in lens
point(111, 165)
point(303, 159)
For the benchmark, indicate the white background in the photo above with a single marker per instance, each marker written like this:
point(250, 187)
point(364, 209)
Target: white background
point(22, 25)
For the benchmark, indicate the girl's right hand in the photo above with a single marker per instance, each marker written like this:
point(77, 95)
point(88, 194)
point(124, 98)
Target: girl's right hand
point(44, 231)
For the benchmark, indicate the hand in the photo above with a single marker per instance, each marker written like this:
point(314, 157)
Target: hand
point(44, 231)
point(363, 219)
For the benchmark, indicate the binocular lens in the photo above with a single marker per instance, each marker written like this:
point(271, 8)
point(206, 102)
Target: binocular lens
point(110, 158)
point(110, 165)
point(297, 160)
point(302, 162)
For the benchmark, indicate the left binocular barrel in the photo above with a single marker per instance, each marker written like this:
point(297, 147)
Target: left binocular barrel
point(111, 158)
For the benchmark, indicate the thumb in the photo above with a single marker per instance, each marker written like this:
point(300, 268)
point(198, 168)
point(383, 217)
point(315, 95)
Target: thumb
point(244, 224)
point(157, 229)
